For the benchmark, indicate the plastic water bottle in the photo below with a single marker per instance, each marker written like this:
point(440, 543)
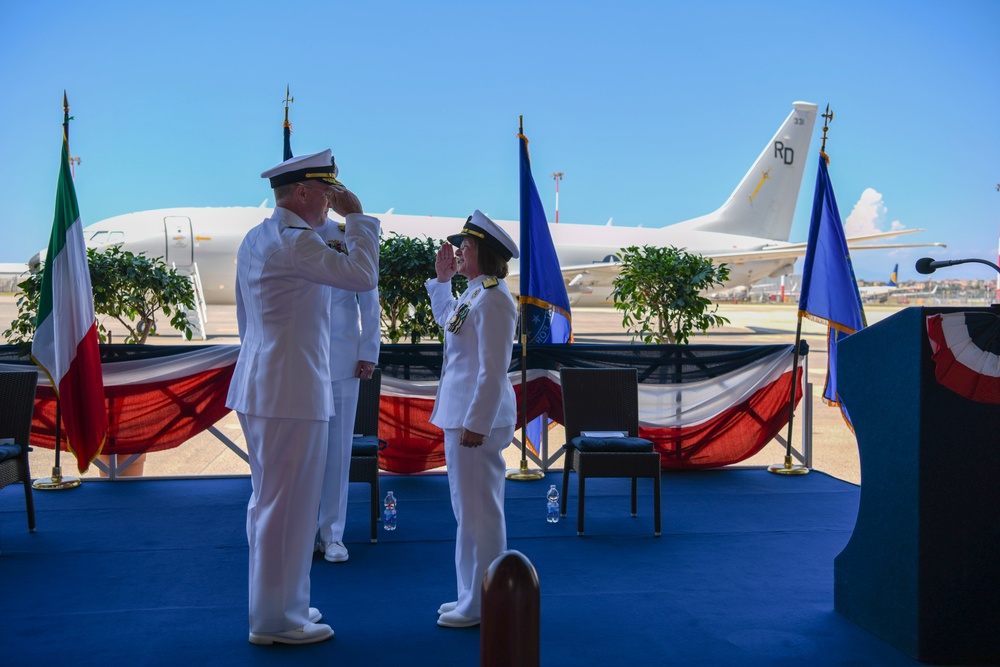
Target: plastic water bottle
point(553, 504)
point(389, 518)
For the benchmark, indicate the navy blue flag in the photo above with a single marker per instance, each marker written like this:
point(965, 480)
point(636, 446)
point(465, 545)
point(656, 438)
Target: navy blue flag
point(288, 141)
point(829, 289)
point(545, 304)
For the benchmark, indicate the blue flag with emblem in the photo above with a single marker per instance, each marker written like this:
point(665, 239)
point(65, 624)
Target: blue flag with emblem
point(829, 289)
point(543, 292)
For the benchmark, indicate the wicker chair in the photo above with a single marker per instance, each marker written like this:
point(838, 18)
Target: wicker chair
point(605, 399)
point(17, 398)
point(365, 449)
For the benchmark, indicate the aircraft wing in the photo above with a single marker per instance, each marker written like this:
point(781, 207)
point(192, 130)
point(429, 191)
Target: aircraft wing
point(794, 250)
point(580, 279)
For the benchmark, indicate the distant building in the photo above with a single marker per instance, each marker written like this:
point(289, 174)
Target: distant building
point(10, 276)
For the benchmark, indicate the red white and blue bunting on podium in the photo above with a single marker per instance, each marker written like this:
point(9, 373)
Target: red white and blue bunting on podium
point(965, 348)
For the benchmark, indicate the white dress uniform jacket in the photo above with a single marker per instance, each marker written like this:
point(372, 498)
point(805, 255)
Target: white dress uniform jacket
point(475, 392)
point(283, 312)
point(355, 317)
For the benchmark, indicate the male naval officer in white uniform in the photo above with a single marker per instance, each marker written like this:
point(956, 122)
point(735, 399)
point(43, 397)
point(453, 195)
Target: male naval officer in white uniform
point(355, 339)
point(281, 385)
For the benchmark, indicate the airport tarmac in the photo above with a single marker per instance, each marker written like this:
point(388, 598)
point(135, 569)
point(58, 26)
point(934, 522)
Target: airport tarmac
point(834, 446)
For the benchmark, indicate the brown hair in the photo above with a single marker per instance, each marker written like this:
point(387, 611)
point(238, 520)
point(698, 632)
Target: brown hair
point(490, 261)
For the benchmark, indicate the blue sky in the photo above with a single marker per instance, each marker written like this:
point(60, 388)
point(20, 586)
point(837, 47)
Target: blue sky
point(653, 110)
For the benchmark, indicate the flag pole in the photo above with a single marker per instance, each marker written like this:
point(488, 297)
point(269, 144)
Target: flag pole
point(523, 474)
point(57, 481)
point(787, 468)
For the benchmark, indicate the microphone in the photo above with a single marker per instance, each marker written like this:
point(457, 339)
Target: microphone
point(928, 265)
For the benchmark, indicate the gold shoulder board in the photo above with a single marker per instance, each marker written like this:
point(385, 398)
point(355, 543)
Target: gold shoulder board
point(490, 282)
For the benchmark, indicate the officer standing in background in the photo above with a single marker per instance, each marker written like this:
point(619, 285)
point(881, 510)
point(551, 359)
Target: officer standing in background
point(355, 339)
point(475, 404)
point(281, 385)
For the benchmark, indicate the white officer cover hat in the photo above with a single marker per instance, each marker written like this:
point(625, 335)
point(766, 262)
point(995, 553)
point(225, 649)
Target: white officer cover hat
point(480, 227)
point(319, 167)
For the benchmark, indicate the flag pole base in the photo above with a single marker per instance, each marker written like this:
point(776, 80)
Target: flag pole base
point(787, 468)
point(523, 474)
point(56, 482)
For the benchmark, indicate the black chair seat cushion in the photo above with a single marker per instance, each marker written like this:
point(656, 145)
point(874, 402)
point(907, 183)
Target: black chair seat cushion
point(366, 445)
point(589, 444)
point(9, 451)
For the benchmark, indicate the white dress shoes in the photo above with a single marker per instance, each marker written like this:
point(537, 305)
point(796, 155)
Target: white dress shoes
point(314, 615)
point(310, 633)
point(334, 552)
point(446, 607)
point(452, 619)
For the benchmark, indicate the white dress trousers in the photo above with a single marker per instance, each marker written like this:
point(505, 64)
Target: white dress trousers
point(477, 479)
point(280, 536)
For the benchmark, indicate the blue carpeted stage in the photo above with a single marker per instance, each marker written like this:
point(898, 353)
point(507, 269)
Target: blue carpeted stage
point(154, 572)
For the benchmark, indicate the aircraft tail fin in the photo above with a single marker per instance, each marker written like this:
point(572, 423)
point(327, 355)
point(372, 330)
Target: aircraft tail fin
point(894, 277)
point(763, 204)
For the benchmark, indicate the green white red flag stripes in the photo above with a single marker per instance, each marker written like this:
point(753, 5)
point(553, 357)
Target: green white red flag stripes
point(65, 342)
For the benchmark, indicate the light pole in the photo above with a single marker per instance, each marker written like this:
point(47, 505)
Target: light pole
point(558, 176)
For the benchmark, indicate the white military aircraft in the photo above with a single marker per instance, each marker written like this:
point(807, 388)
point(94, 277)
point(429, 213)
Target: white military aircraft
point(881, 293)
point(749, 232)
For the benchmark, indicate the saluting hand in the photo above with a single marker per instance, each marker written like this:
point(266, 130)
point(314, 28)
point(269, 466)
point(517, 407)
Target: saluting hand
point(445, 264)
point(343, 201)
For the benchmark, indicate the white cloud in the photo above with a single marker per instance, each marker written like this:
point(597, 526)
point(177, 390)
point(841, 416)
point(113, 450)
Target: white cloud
point(868, 216)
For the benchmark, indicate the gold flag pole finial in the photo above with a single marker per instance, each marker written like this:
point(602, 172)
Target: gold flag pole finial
point(66, 121)
point(288, 100)
point(827, 119)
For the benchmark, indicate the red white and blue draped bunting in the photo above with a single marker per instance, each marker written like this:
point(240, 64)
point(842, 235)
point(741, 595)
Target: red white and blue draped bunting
point(965, 348)
point(702, 406)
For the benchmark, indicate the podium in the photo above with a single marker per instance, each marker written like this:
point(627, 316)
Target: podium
point(922, 567)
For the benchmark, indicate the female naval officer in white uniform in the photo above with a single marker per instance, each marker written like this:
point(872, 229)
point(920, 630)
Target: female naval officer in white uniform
point(475, 400)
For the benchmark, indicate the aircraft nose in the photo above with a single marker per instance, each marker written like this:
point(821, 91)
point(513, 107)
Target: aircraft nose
point(35, 263)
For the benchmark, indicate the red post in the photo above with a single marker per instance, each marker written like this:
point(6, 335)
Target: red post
point(510, 619)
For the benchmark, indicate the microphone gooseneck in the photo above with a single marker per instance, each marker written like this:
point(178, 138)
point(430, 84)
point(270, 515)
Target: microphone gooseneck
point(928, 265)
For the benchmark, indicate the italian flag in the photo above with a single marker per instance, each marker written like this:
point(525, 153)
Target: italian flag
point(65, 343)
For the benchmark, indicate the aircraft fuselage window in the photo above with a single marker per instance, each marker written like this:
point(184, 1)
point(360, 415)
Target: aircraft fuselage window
point(99, 238)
